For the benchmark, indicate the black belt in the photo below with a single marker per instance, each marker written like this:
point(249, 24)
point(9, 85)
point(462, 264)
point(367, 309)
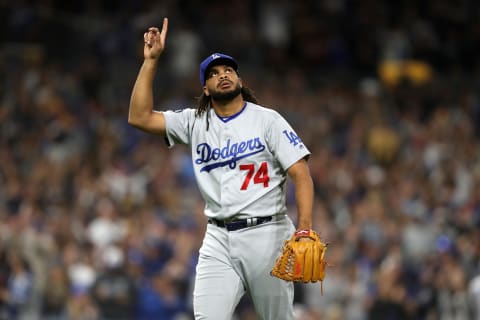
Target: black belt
point(233, 225)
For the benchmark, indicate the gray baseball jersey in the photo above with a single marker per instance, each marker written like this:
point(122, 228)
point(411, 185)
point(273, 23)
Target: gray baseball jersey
point(240, 162)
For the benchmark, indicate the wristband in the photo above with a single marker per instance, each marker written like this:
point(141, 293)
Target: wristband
point(303, 233)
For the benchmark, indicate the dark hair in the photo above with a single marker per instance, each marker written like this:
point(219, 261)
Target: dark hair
point(204, 102)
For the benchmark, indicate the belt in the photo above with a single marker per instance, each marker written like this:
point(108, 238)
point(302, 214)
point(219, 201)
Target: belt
point(232, 225)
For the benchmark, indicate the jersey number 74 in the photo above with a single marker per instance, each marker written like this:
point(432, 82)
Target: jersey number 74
point(259, 176)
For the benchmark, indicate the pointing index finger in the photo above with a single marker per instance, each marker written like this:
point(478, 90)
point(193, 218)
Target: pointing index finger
point(165, 26)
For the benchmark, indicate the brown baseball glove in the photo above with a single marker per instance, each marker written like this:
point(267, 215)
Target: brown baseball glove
point(302, 258)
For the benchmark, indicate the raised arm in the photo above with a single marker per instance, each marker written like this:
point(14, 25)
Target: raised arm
point(141, 114)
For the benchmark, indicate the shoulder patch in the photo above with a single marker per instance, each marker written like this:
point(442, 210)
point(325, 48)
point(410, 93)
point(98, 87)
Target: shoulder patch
point(292, 137)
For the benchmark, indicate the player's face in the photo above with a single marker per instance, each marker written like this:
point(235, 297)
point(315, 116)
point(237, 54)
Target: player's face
point(222, 83)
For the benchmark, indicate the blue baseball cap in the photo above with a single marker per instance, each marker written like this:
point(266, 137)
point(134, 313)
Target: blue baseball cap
point(215, 59)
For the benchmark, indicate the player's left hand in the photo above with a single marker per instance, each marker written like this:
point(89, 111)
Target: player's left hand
point(302, 258)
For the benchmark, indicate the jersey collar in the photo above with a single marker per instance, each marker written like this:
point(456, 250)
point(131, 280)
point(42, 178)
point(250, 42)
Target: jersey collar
point(233, 116)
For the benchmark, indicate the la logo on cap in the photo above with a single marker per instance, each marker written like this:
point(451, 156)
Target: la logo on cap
point(215, 56)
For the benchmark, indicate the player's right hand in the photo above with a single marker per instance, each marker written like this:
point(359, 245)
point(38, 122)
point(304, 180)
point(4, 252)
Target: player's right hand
point(155, 41)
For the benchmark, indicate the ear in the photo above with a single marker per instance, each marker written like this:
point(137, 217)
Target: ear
point(205, 91)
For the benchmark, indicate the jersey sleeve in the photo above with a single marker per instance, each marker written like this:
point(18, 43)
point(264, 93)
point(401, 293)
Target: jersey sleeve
point(284, 143)
point(179, 126)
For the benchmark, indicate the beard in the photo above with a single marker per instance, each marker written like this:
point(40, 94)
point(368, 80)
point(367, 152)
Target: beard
point(226, 96)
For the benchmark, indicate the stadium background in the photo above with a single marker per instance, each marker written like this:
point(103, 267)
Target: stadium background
point(98, 220)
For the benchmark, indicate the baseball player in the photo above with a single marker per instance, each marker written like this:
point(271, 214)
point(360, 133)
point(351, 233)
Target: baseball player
point(242, 154)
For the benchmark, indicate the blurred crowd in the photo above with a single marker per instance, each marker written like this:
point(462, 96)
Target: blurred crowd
point(101, 221)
